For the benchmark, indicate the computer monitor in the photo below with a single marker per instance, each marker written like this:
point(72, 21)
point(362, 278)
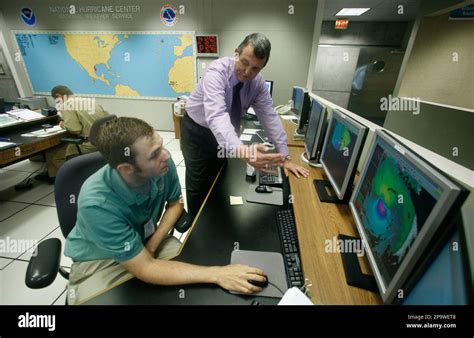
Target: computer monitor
point(315, 132)
point(447, 279)
point(399, 205)
point(269, 84)
point(301, 107)
point(342, 147)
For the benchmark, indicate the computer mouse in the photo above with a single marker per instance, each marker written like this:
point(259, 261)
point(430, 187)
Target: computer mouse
point(260, 284)
point(263, 189)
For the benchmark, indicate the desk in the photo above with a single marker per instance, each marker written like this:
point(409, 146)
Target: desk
point(290, 128)
point(219, 227)
point(317, 222)
point(215, 233)
point(29, 146)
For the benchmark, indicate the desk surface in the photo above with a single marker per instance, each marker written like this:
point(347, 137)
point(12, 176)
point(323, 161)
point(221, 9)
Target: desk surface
point(317, 222)
point(218, 230)
point(290, 128)
point(220, 227)
point(28, 146)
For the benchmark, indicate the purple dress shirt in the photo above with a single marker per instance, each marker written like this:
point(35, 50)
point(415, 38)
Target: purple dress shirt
point(211, 101)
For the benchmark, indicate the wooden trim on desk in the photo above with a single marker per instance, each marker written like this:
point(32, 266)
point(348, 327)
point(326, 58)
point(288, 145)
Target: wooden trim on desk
point(290, 128)
point(317, 222)
point(199, 212)
point(9, 156)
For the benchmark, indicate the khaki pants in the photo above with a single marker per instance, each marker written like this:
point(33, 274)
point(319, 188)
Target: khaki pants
point(89, 279)
point(56, 156)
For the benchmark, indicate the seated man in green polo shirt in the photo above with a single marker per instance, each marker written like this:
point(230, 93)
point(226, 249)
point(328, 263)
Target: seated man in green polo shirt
point(116, 236)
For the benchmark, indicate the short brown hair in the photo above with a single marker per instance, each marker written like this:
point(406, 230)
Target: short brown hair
point(61, 91)
point(116, 138)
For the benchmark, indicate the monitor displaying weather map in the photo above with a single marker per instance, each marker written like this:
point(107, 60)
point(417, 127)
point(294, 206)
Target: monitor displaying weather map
point(339, 149)
point(392, 203)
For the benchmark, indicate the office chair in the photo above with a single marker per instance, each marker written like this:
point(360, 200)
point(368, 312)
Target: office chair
point(45, 265)
point(76, 140)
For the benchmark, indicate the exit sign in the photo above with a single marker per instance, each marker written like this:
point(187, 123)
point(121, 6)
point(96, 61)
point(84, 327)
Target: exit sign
point(342, 24)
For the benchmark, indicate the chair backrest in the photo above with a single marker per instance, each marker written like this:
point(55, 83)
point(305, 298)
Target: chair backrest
point(72, 175)
point(68, 184)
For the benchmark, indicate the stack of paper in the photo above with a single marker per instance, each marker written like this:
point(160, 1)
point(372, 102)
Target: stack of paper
point(25, 114)
point(45, 132)
point(6, 120)
point(294, 296)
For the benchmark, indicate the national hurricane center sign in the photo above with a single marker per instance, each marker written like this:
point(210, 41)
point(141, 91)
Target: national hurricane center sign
point(95, 12)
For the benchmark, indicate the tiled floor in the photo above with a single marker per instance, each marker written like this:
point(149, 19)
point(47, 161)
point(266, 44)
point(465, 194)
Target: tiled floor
point(27, 217)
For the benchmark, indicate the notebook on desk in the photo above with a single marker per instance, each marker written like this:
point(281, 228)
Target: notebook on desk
point(6, 120)
point(25, 114)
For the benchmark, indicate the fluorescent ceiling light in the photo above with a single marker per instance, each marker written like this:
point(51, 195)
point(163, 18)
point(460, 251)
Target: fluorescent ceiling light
point(352, 11)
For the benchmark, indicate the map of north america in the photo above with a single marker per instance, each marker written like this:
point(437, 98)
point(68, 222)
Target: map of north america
point(155, 65)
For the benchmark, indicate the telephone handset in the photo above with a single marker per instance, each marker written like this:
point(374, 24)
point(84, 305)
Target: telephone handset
point(283, 109)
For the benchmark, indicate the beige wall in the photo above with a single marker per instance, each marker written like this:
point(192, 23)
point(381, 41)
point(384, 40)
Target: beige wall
point(431, 73)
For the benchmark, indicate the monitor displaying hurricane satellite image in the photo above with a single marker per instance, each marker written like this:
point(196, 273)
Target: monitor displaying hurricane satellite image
point(393, 203)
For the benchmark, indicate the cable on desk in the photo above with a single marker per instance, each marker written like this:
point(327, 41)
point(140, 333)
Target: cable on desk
point(306, 286)
point(276, 287)
point(305, 160)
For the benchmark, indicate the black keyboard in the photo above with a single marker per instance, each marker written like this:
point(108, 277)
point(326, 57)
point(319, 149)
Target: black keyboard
point(271, 179)
point(290, 250)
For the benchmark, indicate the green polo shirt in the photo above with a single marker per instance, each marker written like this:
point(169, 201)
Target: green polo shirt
point(111, 216)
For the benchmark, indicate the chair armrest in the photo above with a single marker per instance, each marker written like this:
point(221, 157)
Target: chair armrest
point(44, 264)
point(75, 140)
point(184, 222)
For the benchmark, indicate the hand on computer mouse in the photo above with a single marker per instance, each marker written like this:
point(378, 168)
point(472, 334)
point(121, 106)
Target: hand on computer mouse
point(263, 189)
point(260, 284)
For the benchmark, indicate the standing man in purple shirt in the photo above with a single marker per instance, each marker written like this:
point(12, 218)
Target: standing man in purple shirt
point(228, 88)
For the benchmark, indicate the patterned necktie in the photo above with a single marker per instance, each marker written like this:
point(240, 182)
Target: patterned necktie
point(236, 108)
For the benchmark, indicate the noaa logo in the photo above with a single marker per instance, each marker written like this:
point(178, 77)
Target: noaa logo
point(28, 16)
point(169, 15)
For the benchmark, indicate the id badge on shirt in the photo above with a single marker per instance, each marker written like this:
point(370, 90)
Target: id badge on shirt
point(149, 228)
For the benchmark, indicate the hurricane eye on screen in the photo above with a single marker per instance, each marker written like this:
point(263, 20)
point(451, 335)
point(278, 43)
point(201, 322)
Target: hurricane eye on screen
point(393, 203)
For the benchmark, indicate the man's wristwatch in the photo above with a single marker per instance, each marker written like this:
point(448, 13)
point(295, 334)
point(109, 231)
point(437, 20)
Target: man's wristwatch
point(287, 158)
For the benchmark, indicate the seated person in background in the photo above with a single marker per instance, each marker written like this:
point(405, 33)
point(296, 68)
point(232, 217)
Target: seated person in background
point(78, 115)
point(116, 236)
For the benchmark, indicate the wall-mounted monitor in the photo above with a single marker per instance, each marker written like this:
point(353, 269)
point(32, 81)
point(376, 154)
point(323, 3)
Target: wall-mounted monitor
point(400, 204)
